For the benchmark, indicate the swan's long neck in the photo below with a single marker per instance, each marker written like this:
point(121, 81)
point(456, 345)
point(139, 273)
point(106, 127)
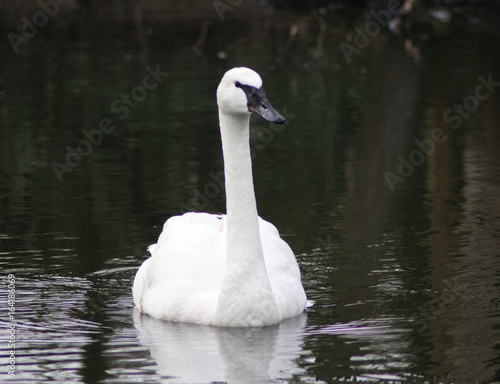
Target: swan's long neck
point(240, 196)
point(246, 296)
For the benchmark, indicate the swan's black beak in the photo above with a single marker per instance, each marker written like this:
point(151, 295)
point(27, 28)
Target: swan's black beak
point(258, 104)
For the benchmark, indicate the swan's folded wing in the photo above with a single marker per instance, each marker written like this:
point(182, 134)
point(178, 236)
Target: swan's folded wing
point(186, 270)
point(283, 271)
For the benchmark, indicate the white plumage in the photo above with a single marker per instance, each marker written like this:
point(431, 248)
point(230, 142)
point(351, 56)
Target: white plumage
point(232, 270)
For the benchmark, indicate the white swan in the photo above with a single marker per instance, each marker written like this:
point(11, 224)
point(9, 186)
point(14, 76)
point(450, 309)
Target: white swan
point(229, 270)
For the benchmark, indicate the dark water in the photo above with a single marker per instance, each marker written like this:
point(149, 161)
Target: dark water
point(385, 182)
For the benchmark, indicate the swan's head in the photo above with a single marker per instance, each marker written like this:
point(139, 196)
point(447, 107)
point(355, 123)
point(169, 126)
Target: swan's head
point(240, 92)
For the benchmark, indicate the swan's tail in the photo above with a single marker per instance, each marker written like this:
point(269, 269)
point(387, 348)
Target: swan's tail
point(151, 249)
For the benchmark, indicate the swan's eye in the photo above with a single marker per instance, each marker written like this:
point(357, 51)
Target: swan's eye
point(237, 84)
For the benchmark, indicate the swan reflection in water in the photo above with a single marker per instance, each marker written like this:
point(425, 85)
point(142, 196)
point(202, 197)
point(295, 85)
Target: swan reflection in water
point(191, 353)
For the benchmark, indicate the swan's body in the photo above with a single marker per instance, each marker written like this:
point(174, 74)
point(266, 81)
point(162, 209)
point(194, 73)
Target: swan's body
point(225, 270)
